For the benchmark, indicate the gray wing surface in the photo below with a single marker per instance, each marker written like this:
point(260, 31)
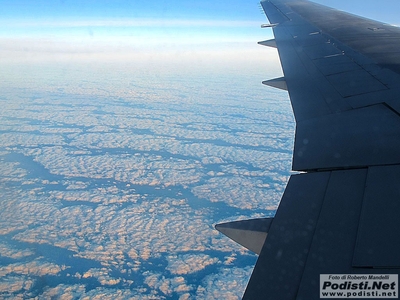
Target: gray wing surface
point(341, 214)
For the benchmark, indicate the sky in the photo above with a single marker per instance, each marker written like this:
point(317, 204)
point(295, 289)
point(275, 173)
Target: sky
point(127, 130)
point(210, 31)
point(130, 28)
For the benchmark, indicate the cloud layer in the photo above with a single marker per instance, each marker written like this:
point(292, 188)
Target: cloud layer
point(111, 183)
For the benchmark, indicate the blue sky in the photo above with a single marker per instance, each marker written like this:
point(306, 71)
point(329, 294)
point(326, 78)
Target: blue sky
point(33, 17)
point(120, 15)
point(166, 10)
point(119, 28)
point(236, 9)
point(129, 9)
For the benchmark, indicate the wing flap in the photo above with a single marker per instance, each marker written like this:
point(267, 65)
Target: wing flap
point(332, 222)
point(334, 142)
point(285, 251)
point(268, 43)
point(334, 239)
point(279, 83)
point(378, 239)
point(251, 234)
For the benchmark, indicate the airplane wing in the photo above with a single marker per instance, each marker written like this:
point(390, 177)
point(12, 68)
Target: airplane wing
point(340, 215)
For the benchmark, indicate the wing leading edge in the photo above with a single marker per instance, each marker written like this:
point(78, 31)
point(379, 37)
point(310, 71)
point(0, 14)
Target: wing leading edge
point(340, 216)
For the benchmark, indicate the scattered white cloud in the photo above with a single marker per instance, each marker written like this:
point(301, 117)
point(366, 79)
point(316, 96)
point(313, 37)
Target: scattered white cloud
point(6, 250)
point(187, 264)
point(77, 291)
point(129, 180)
point(12, 284)
point(35, 267)
point(102, 275)
point(228, 284)
point(244, 193)
point(10, 171)
point(167, 286)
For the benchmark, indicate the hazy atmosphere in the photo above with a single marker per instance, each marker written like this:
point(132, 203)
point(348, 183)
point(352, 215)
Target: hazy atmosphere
point(127, 131)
